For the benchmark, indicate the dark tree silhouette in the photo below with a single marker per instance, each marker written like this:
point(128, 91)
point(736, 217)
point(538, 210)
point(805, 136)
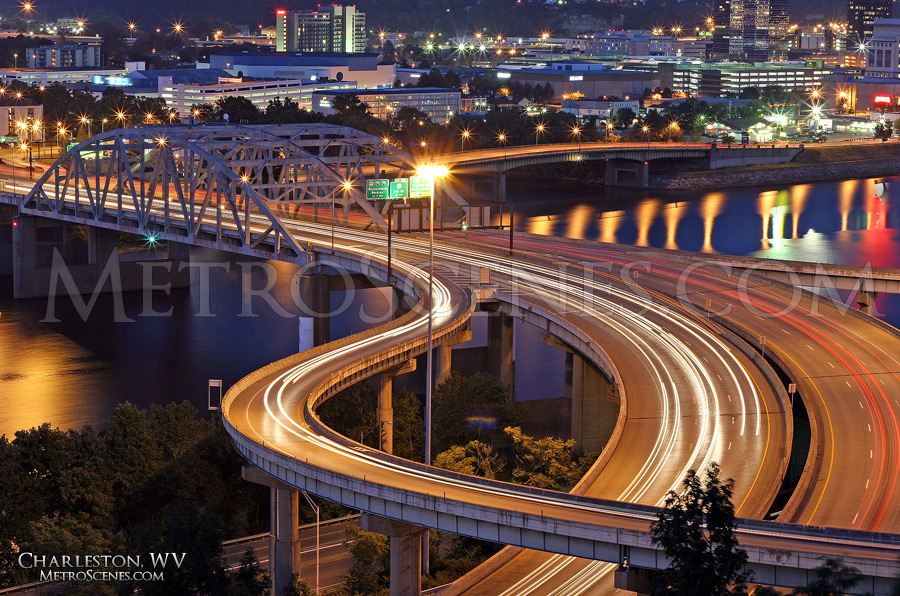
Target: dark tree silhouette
point(697, 532)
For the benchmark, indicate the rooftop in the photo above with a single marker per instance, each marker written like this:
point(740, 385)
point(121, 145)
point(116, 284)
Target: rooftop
point(392, 91)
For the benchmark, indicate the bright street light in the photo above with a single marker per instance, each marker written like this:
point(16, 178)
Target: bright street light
point(432, 172)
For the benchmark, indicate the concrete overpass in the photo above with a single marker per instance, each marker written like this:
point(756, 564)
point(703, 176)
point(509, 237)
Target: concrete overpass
point(295, 452)
point(627, 164)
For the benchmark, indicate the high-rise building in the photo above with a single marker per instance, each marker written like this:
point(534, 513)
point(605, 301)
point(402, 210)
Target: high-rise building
point(286, 30)
point(330, 29)
point(751, 30)
point(860, 16)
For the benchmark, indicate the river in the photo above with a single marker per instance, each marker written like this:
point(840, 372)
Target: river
point(73, 372)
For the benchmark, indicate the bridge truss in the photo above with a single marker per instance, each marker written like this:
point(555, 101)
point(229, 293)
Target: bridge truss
point(224, 186)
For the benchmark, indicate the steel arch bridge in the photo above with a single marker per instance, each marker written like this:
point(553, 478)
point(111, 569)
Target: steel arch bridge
point(214, 185)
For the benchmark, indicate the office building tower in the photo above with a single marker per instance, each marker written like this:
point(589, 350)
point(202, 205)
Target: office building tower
point(861, 15)
point(330, 29)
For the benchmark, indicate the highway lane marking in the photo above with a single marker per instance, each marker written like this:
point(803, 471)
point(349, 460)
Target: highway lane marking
point(720, 376)
point(848, 384)
point(729, 445)
point(871, 454)
point(831, 365)
point(860, 403)
point(810, 347)
point(785, 330)
point(870, 427)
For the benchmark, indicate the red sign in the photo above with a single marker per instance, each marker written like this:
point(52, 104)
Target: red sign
point(883, 99)
point(280, 12)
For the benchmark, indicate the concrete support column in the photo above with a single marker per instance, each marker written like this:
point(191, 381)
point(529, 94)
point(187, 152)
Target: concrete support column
point(866, 301)
point(24, 251)
point(626, 173)
point(498, 188)
point(386, 414)
point(386, 406)
point(634, 579)
point(594, 412)
point(315, 294)
point(284, 546)
point(179, 251)
point(101, 244)
point(406, 553)
point(444, 355)
point(442, 363)
point(501, 351)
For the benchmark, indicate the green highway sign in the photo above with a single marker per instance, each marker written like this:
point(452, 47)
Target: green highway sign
point(399, 188)
point(419, 187)
point(378, 188)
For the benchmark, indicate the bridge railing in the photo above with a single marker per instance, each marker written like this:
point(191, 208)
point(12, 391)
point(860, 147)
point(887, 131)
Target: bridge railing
point(600, 145)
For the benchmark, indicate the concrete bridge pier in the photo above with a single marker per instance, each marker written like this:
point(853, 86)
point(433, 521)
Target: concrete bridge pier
point(315, 295)
point(501, 348)
point(594, 411)
point(498, 188)
point(386, 406)
point(443, 355)
point(634, 579)
point(866, 301)
point(46, 253)
point(595, 406)
point(626, 173)
point(284, 546)
point(406, 552)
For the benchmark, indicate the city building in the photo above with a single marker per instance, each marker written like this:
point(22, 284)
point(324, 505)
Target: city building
point(437, 104)
point(16, 111)
point(64, 56)
point(48, 77)
point(182, 97)
point(751, 30)
point(332, 28)
point(573, 80)
point(363, 69)
point(861, 15)
point(603, 109)
point(145, 83)
point(883, 49)
point(718, 79)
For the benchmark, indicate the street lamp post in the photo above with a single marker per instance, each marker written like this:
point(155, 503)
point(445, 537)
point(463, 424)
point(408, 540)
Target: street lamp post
point(432, 172)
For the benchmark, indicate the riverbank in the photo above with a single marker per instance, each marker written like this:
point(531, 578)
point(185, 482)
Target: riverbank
point(814, 164)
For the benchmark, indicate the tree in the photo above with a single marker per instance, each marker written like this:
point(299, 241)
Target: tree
point(833, 578)
point(467, 409)
point(624, 118)
point(388, 53)
point(372, 553)
point(240, 110)
point(298, 587)
point(250, 579)
point(409, 117)
point(195, 534)
point(696, 530)
point(347, 105)
point(544, 463)
point(175, 427)
point(476, 458)
point(883, 130)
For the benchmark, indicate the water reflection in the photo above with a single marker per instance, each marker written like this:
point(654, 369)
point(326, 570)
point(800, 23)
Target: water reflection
point(802, 222)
